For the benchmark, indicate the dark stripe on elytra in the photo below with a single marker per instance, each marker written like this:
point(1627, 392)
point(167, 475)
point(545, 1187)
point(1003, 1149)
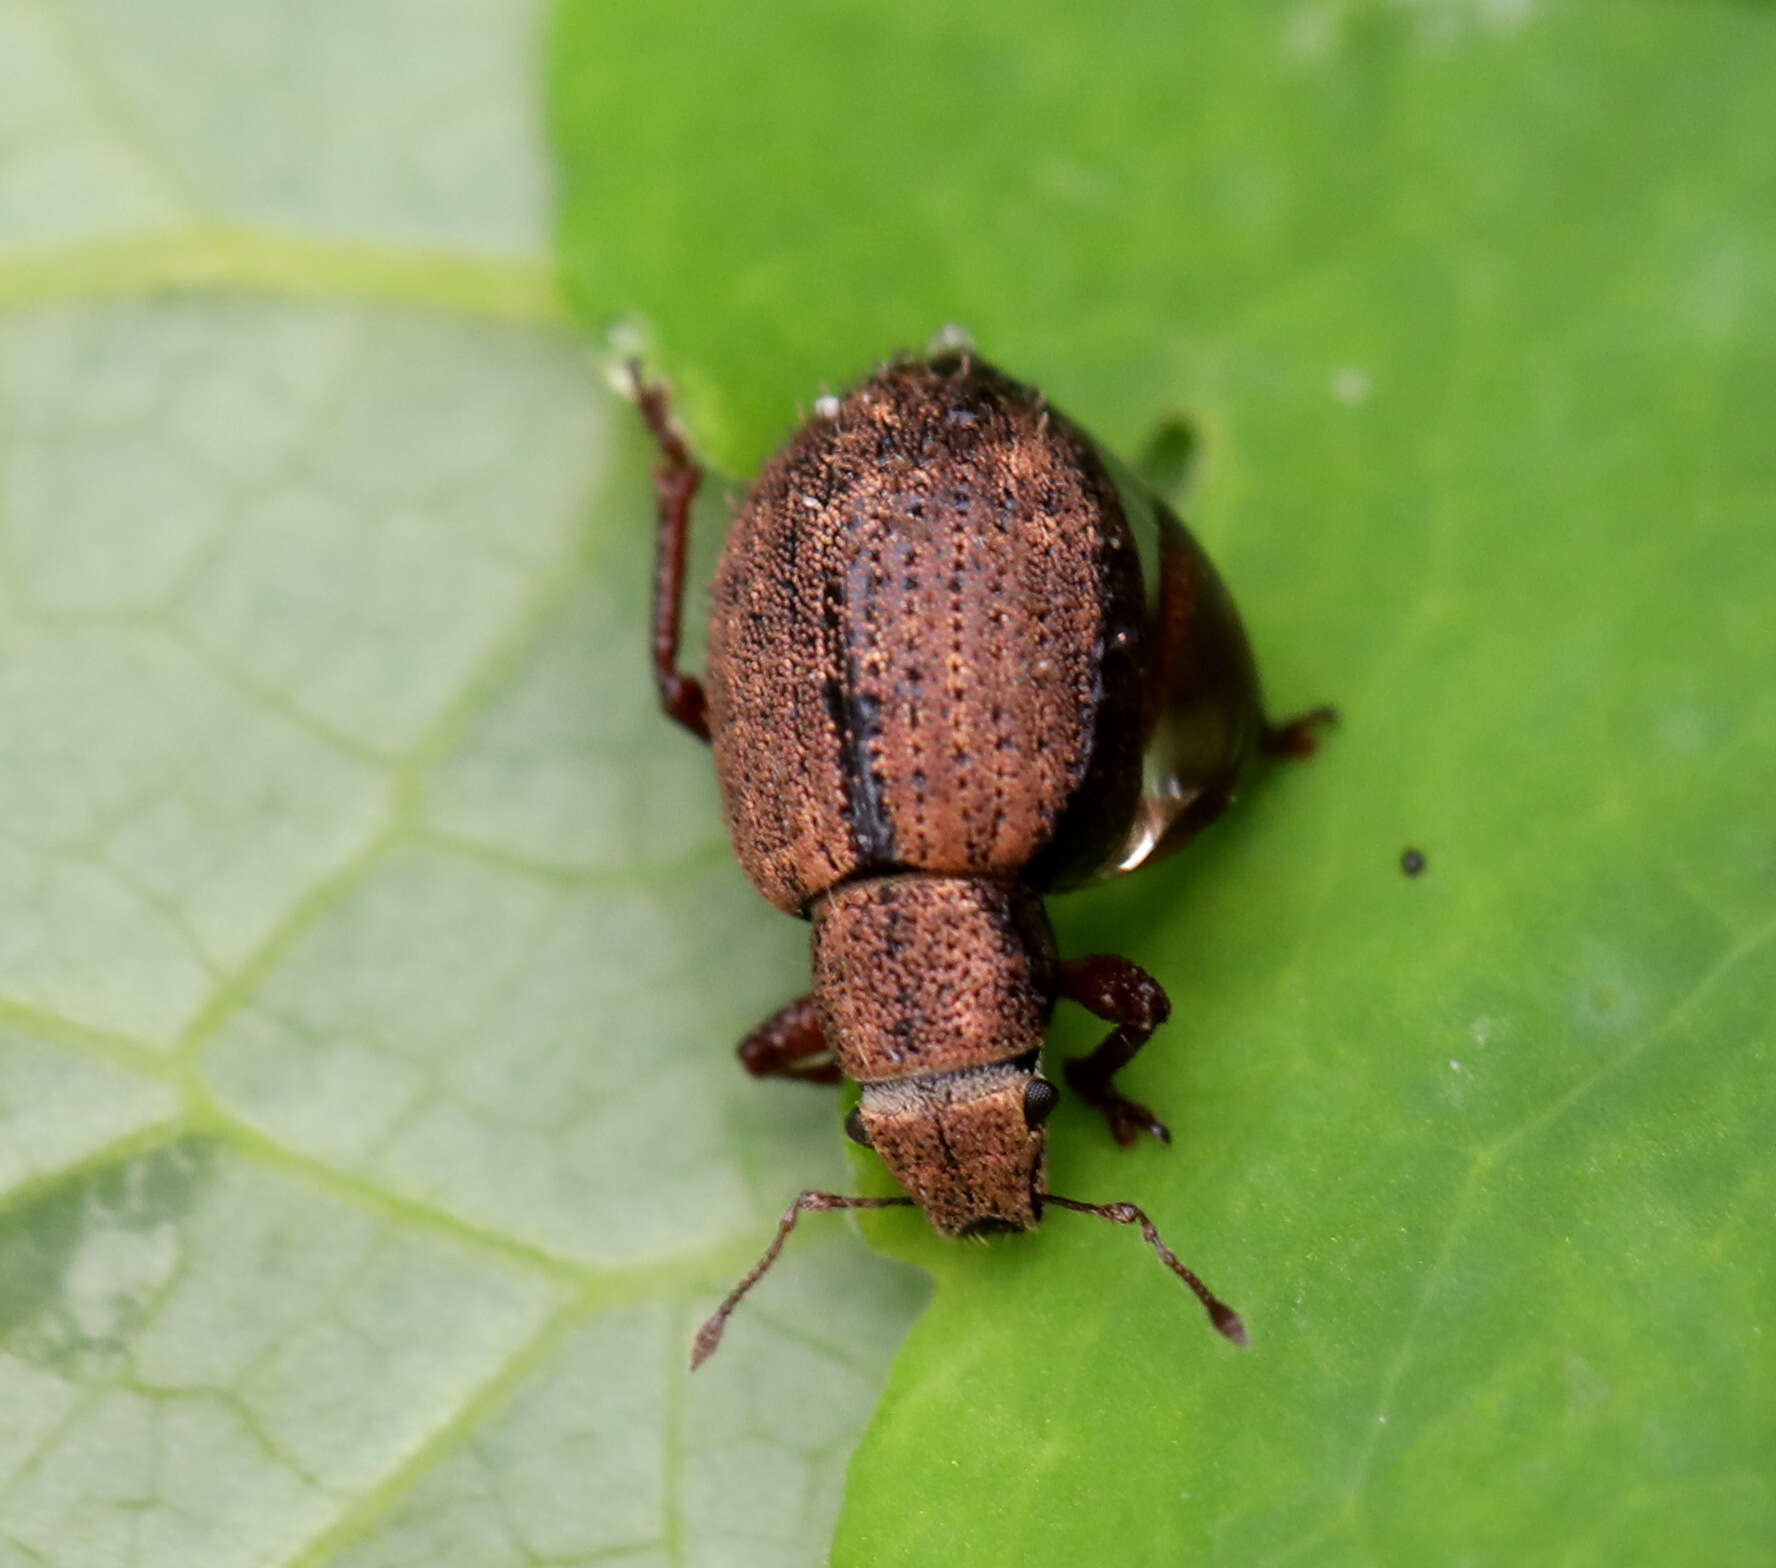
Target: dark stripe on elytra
point(856, 717)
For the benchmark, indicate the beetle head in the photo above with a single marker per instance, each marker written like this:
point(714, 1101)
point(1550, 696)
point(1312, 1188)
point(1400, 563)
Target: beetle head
point(968, 1145)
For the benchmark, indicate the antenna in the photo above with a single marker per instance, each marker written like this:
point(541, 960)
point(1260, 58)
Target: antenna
point(1220, 1314)
point(709, 1336)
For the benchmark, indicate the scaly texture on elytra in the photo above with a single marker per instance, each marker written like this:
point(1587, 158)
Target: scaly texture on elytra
point(910, 657)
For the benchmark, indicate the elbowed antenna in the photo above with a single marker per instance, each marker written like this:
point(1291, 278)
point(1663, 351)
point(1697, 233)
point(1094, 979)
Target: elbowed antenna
point(1220, 1314)
point(709, 1336)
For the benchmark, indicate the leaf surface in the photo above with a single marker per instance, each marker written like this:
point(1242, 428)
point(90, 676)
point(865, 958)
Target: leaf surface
point(1472, 308)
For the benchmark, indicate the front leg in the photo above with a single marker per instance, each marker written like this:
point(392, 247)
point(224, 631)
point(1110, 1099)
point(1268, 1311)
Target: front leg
point(790, 1044)
point(1129, 997)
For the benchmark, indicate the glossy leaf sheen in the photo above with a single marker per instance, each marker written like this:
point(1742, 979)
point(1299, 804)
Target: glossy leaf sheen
point(1473, 308)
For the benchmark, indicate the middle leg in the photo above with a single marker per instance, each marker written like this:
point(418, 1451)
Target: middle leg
point(1124, 993)
point(790, 1044)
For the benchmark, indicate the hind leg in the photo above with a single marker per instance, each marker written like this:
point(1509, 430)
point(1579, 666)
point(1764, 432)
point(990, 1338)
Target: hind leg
point(675, 487)
point(1297, 737)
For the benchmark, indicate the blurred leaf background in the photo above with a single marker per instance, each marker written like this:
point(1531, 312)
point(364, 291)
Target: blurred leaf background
point(370, 954)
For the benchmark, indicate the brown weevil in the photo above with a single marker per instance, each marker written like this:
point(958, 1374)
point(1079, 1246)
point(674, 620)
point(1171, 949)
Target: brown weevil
point(959, 658)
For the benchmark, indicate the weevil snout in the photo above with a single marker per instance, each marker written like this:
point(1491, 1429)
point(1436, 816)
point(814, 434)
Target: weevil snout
point(963, 1144)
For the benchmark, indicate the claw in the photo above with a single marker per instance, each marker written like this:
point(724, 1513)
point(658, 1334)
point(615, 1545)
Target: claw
point(1129, 1119)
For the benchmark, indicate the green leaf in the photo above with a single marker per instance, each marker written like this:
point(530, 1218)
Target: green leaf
point(370, 957)
point(1472, 309)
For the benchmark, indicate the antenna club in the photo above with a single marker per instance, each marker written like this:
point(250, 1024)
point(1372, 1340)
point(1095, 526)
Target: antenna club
point(708, 1340)
point(1229, 1322)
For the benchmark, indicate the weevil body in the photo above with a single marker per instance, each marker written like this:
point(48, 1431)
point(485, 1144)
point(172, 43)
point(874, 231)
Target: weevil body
point(958, 659)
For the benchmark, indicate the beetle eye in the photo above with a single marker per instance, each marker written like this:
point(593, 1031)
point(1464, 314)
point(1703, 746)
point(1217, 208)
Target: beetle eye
point(854, 1129)
point(1040, 1097)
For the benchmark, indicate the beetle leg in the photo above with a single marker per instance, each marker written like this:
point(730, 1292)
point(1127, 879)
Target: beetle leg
point(1297, 737)
point(675, 487)
point(783, 1045)
point(1123, 992)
